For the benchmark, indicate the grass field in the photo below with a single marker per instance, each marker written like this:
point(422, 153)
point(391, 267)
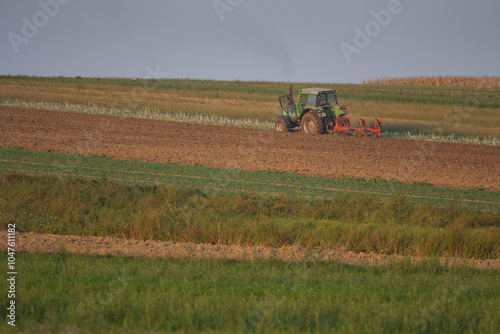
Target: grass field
point(62, 293)
point(198, 204)
point(472, 111)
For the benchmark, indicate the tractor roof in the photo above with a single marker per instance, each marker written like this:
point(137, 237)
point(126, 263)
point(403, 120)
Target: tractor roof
point(315, 90)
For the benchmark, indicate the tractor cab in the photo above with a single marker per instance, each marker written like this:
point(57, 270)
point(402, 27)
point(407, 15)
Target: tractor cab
point(317, 98)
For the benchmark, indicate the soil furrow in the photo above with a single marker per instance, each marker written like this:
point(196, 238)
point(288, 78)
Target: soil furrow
point(439, 164)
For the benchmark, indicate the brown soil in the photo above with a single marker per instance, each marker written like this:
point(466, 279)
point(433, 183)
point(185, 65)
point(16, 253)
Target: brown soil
point(440, 164)
point(50, 243)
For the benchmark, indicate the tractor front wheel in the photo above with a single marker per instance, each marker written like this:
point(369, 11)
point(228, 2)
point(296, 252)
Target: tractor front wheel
point(311, 124)
point(280, 125)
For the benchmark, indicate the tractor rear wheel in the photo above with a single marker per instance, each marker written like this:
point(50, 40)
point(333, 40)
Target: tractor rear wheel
point(311, 124)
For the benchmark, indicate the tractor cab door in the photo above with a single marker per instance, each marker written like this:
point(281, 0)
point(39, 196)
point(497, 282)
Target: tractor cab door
point(288, 106)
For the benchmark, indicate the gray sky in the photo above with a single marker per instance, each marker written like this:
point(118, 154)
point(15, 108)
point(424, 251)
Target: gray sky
point(276, 40)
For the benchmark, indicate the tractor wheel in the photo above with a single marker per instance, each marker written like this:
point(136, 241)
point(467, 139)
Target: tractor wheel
point(311, 124)
point(280, 125)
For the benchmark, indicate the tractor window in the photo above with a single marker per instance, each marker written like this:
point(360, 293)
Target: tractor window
point(303, 99)
point(330, 98)
point(285, 102)
point(311, 100)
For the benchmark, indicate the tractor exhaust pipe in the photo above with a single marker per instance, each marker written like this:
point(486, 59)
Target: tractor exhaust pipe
point(291, 95)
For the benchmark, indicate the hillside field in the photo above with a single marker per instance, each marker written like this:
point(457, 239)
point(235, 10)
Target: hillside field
point(462, 111)
point(194, 165)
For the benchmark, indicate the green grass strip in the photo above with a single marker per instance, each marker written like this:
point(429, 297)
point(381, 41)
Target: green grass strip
point(233, 181)
point(71, 294)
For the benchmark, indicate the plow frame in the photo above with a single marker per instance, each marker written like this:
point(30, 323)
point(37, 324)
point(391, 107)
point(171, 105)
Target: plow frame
point(343, 125)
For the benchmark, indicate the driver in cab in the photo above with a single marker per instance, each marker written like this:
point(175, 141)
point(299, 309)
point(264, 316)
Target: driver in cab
point(320, 100)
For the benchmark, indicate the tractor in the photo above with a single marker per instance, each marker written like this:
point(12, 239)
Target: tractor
point(317, 111)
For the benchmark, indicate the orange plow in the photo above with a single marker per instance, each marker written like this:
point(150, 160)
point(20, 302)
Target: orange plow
point(343, 124)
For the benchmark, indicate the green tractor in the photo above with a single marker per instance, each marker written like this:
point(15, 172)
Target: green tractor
point(318, 111)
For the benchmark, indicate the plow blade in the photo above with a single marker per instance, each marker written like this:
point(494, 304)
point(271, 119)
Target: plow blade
point(342, 124)
point(363, 130)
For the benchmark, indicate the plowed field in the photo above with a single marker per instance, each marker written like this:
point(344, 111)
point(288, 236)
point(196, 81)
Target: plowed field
point(440, 164)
